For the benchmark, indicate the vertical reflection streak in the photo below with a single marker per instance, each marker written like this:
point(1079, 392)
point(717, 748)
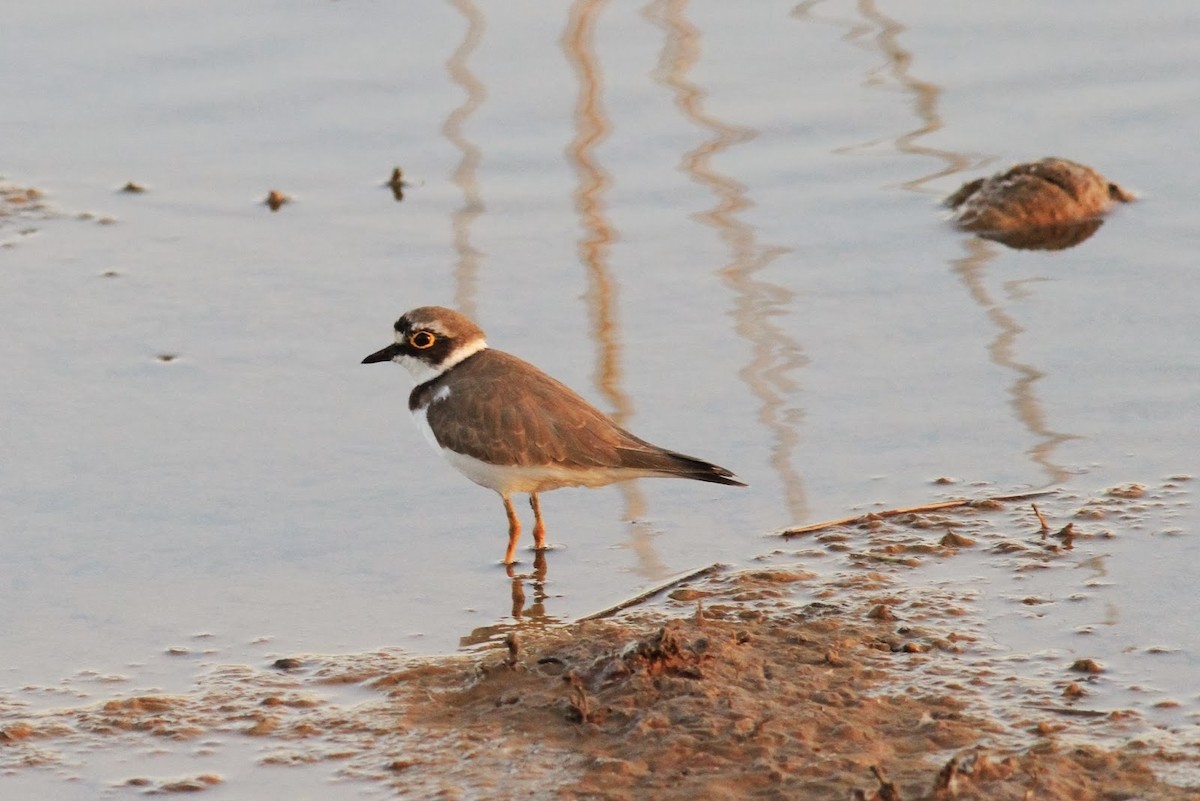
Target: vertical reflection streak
point(466, 174)
point(881, 33)
point(775, 355)
point(591, 128)
point(925, 95)
point(1022, 398)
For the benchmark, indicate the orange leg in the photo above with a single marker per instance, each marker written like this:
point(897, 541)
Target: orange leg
point(539, 527)
point(514, 531)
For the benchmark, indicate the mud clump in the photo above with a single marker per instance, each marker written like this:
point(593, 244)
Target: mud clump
point(1048, 204)
point(771, 682)
point(715, 706)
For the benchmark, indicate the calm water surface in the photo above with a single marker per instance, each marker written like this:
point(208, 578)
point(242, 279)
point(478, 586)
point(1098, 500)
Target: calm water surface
point(717, 221)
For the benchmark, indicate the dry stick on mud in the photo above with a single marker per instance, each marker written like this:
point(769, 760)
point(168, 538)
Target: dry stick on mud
point(795, 532)
point(653, 591)
point(929, 507)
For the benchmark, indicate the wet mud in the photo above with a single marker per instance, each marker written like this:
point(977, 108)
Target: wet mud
point(774, 682)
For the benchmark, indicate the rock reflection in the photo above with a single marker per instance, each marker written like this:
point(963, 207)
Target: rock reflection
point(1045, 237)
point(876, 31)
point(592, 127)
point(776, 356)
point(466, 175)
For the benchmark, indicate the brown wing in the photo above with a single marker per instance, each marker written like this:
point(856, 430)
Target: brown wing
point(545, 422)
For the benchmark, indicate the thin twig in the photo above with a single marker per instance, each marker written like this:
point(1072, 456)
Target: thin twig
point(930, 507)
point(1069, 711)
point(1041, 520)
point(650, 593)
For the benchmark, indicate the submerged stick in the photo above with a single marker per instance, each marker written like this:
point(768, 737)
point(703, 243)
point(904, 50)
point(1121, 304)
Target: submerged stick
point(1041, 520)
point(650, 593)
point(929, 507)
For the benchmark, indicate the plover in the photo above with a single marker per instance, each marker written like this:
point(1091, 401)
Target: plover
point(508, 426)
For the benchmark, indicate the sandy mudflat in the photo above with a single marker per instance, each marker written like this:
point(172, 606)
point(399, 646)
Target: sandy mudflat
point(772, 682)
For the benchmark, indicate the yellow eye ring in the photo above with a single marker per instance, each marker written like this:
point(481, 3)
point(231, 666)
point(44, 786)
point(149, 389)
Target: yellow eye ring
point(421, 340)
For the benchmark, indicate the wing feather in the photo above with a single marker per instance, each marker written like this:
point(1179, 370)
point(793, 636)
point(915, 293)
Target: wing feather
point(544, 423)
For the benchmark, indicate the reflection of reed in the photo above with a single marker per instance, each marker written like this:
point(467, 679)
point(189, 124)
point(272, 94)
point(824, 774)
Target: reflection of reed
point(591, 128)
point(878, 32)
point(466, 176)
point(1024, 402)
point(775, 355)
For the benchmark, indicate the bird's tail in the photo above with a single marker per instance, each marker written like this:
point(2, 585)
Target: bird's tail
point(680, 465)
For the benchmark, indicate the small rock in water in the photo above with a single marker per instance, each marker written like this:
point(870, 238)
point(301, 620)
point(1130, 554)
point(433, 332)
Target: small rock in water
point(1049, 204)
point(1086, 666)
point(397, 183)
point(276, 199)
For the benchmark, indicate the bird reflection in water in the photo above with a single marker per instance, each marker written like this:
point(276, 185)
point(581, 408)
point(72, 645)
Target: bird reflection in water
point(528, 605)
point(538, 582)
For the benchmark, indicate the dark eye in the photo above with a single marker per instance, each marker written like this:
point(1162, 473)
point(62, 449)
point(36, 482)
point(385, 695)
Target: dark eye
point(421, 340)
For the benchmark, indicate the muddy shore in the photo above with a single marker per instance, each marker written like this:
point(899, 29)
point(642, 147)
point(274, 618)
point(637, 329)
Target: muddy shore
point(771, 682)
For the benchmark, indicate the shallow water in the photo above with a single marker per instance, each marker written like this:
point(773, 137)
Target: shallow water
point(719, 224)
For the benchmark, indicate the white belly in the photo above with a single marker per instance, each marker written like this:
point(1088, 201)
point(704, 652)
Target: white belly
point(421, 418)
point(534, 478)
point(509, 479)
